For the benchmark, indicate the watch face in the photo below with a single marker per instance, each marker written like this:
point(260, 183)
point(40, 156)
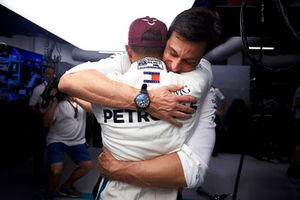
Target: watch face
point(142, 100)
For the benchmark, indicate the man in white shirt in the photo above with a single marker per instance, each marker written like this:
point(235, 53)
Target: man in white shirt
point(35, 101)
point(67, 123)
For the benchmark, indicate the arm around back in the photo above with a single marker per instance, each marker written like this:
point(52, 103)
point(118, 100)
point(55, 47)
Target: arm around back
point(95, 87)
point(162, 171)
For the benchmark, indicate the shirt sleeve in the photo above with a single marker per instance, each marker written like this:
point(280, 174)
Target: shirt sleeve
point(219, 94)
point(34, 97)
point(195, 154)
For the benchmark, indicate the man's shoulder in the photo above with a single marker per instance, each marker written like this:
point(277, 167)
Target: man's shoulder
point(205, 64)
point(203, 68)
point(40, 86)
point(119, 62)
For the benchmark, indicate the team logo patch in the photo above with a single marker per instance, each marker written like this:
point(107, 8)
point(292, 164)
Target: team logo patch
point(150, 63)
point(151, 77)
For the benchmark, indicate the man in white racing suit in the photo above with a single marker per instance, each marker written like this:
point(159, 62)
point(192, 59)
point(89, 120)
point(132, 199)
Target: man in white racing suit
point(136, 135)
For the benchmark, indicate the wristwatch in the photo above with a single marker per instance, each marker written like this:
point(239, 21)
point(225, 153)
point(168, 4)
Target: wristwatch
point(142, 100)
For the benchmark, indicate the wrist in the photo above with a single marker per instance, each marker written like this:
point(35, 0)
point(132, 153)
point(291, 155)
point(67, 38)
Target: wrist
point(120, 171)
point(126, 96)
point(151, 106)
point(128, 171)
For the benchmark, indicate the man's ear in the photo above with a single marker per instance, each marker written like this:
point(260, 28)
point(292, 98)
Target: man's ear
point(129, 51)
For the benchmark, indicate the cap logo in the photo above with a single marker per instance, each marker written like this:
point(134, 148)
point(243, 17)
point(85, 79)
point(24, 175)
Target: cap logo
point(147, 32)
point(150, 21)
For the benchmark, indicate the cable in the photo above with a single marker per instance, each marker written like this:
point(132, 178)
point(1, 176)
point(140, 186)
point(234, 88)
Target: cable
point(283, 12)
point(244, 37)
point(257, 63)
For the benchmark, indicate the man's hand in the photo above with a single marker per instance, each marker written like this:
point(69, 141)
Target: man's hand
point(53, 92)
point(167, 106)
point(163, 171)
point(107, 164)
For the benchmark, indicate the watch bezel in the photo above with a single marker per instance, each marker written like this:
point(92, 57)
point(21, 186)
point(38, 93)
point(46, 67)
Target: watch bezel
point(142, 100)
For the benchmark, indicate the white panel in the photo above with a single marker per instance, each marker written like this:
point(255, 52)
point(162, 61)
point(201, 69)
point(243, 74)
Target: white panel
point(94, 24)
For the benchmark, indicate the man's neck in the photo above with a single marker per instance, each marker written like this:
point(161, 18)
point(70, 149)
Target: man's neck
point(137, 57)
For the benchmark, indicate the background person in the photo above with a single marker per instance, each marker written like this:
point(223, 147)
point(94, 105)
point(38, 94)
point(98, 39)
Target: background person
point(67, 122)
point(220, 108)
point(40, 132)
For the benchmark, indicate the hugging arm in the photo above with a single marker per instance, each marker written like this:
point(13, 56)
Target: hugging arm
point(95, 87)
point(148, 173)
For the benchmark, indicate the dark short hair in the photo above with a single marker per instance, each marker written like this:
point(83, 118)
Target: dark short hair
point(198, 24)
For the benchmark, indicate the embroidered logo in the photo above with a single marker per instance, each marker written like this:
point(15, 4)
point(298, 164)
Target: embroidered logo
point(150, 21)
point(151, 77)
point(150, 63)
